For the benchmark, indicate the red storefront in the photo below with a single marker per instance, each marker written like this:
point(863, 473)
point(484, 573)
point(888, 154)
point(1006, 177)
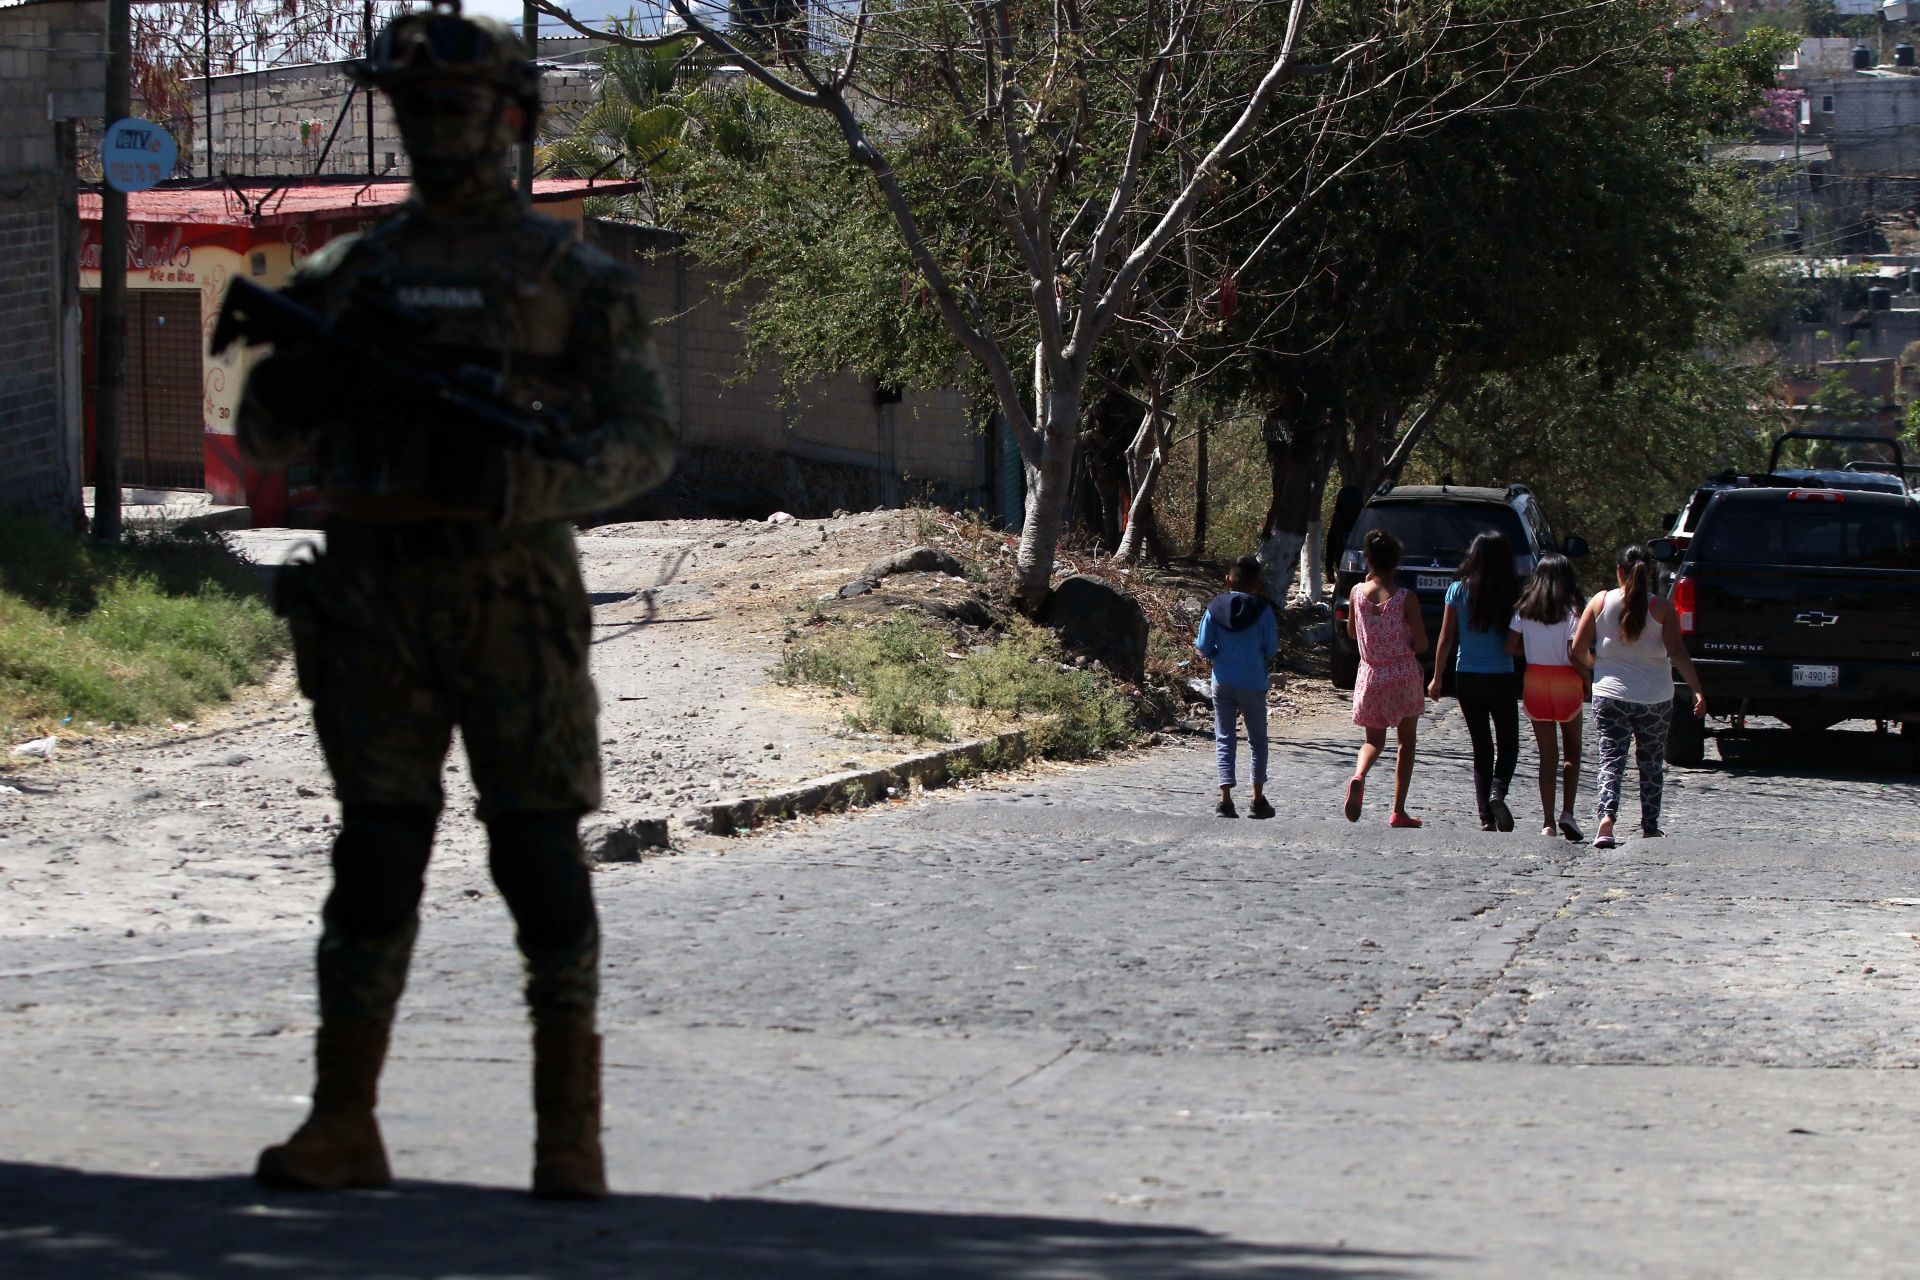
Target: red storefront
point(183, 246)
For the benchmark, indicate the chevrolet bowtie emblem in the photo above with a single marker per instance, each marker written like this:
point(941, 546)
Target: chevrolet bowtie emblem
point(1814, 618)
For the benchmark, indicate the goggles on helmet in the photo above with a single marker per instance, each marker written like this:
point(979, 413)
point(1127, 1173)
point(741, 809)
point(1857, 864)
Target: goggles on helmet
point(437, 40)
point(440, 43)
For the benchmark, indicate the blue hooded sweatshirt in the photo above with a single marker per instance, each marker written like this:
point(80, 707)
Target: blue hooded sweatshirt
point(1238, 635)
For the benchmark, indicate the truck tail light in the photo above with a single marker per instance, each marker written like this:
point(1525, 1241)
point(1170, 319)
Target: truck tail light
point(1683, 603)
point(1340, 611)
point(1807, 495)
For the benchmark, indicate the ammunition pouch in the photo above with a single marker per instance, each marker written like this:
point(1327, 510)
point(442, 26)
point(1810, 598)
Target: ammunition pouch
point(295, 600)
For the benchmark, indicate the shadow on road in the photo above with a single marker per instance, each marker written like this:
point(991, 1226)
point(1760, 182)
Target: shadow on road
point(65, 1223)
point(1837, 755)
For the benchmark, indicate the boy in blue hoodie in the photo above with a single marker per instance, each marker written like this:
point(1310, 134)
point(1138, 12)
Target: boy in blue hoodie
point(1239, 635)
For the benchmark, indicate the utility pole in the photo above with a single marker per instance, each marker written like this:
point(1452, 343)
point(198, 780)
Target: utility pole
point(206, 67)
point(366, 51)
point(530, 32)
point(110, 341)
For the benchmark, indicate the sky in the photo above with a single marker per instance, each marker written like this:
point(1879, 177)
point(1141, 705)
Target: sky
point(592, 12)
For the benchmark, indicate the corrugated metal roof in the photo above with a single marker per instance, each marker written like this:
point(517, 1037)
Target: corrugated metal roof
point(263, 204)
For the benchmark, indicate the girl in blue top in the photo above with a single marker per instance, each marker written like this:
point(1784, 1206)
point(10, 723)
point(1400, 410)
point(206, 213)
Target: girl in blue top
point(1479, 607)
point(1239, 635)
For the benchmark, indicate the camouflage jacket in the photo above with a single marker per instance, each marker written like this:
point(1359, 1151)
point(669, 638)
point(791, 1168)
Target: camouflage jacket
point(558, 323)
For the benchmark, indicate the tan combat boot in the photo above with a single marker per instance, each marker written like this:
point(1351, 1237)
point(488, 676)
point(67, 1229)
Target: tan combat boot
point(567, 1160)
point(339, 1145)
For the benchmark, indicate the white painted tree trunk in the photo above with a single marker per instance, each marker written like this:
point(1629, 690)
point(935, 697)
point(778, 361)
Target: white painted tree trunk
point(1048, 486)
point(1280, 558)
point(1144, 461)
point(1311, 570)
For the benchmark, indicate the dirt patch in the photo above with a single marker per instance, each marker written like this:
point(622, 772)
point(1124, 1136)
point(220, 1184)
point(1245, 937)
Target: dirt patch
point(225, 822)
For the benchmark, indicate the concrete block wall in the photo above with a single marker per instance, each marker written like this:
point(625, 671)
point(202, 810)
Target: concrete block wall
point(1865, 105)
point(927, 441)
point(50, 55)
point(274, 122)
point(33, 466)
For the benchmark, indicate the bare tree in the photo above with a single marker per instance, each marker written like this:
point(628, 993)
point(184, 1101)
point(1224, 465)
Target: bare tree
point(1075, 109)
point(176, 40)
point(1134, 163)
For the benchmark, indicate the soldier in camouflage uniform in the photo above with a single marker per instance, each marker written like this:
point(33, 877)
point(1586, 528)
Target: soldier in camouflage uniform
point(450, 592)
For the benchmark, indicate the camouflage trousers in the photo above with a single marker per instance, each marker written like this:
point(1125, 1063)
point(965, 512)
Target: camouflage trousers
point(402, 634)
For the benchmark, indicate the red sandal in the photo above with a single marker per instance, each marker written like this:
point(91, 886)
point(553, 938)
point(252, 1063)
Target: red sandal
point(1404, 820)
point(1356, 793)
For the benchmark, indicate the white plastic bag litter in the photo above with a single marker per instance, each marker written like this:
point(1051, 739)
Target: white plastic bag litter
point(780, 517)
point(39, 748)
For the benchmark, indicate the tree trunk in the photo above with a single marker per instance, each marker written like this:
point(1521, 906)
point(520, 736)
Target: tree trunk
point(1105, 488)
point(1297, 452)
point(1200, 512)
point(1311, 564)
point(1311, 570)
point(1145, 458)
point(1280, 559)
point(1366, 459)
point(1156, 545)
point(1048, 486)
point(1396, 462)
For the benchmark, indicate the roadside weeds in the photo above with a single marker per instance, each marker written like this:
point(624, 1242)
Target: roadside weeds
point(150, 630)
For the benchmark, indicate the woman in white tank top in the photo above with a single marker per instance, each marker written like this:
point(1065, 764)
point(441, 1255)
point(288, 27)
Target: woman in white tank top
point(1630, 641)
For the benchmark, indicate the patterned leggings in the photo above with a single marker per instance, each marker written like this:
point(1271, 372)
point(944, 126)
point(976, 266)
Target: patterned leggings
point(1645, 725)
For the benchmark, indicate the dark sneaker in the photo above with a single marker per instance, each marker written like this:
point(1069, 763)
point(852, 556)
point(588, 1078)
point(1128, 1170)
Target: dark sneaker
point(1570, 829)
point(1226, 810)
point(1260, 809)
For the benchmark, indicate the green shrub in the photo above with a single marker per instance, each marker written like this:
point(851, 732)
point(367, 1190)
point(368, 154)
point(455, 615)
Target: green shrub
point(906, 683)
point(153, 629)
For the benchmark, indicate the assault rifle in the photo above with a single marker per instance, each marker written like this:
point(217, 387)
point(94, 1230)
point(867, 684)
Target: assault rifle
point(254, 315)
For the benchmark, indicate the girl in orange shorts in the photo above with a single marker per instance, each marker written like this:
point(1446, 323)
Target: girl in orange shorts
point(1555, 690)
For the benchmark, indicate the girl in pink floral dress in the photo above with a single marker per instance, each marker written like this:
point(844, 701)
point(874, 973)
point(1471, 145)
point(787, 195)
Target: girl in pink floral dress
point(1391, 692)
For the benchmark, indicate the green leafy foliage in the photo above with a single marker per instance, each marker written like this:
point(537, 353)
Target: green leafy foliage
point(1609, 457)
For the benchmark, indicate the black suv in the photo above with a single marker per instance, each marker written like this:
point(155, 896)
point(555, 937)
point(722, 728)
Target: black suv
point(1436, 524)
point(1799, 597)
point(1866, 476)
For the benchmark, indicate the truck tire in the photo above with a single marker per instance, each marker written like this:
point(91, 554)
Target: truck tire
point(1343, 669)
point(1686, 736)
point(1910, 731)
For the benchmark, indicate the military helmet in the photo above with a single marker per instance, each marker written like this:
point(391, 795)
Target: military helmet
point(440, 43)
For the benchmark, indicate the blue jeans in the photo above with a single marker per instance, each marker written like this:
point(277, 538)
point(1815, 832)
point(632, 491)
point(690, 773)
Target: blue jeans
point(1230, 706)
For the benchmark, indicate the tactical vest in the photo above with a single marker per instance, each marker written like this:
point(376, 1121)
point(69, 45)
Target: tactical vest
point(493, 301)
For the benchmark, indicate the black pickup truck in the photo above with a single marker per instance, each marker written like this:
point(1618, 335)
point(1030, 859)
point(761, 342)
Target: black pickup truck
point(1802, 604)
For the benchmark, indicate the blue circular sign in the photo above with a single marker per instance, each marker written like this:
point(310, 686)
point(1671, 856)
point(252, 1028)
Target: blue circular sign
point(136, 154)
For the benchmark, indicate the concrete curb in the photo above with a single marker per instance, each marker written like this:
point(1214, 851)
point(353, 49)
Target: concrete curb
point(864, 786)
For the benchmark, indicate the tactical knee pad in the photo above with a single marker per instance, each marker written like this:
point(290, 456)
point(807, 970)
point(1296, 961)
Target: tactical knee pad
point(379, 868)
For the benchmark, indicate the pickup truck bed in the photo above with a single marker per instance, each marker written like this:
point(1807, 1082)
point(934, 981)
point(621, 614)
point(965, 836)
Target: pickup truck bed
point(1803, 605)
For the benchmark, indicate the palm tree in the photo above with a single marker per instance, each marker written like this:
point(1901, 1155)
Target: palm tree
point(634, 130)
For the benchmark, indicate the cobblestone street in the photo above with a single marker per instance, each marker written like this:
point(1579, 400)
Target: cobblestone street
point(1072, 1024)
